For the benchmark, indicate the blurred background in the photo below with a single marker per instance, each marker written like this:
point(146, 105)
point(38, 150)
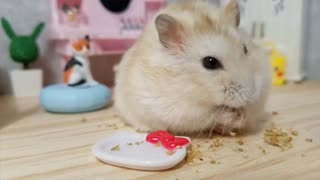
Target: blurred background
point(290, 26)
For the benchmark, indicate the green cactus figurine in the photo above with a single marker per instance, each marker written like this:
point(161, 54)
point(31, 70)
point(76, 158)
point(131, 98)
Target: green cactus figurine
point(23, 49)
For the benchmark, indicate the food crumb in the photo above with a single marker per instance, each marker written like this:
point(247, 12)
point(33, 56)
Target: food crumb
point(294, 133)
point(142, 131)
point(240, 142)
point(215, 162)
point(239, 149)
point(192, 155)
point(262, 149)
point(113, 126)
point(139, 143)
point(116, 148)
point(135, 143)
point(83, 120)
point(170, 153)
point(275, 113)
point(201, 159)
point(245, 156)
point(277, 137)
point(233, 134)
point(309, 140)
point(218, 142)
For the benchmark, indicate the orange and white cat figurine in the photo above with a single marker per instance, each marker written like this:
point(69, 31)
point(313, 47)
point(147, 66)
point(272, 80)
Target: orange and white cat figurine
point(77, 70)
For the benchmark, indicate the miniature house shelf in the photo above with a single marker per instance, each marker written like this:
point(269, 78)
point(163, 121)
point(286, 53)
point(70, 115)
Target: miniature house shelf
point(112, 25)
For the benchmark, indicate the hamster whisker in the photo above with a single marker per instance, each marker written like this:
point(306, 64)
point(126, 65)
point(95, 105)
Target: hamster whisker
point(217, 118)
point(225, 122)
point(241, 120)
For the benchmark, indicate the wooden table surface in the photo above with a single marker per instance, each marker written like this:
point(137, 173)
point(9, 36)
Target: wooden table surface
point(37, 145)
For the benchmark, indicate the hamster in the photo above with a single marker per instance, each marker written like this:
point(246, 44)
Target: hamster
point(193, 70)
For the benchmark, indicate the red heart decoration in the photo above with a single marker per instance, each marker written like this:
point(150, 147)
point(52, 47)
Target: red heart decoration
point(167, 140)
point(159, 136)
point(178, 141)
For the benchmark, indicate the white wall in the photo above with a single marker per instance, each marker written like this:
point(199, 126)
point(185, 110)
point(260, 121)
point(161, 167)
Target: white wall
point(312, 39)
point(24, 15)
point(284, 29)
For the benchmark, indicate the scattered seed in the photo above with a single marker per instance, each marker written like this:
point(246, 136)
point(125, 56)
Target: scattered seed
point(218, 142)
point(294, 133)
point(116, 148)
point(215, 162)
point(262, 149)
point(309, 140)
point(233, 134)
point(245, 156)
point(192, 155)
point(240, 142)
point(142, 131)
point(83, 120)
point(277, 137)
point(170, 153)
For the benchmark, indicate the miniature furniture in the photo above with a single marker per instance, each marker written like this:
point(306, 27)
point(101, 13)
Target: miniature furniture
point(113, 25)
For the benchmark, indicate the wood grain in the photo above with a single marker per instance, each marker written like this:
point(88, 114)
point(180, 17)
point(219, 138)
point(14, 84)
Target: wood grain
point(38, 145)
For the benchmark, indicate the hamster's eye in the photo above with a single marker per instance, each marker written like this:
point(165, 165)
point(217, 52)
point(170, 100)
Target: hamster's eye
point(245, 49)
point(211, 63)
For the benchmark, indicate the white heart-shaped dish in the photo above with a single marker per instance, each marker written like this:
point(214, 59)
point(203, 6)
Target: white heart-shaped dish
point(130, 150)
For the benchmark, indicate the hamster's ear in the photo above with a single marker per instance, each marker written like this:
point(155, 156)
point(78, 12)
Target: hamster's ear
point(231, 13)
point(171, 32)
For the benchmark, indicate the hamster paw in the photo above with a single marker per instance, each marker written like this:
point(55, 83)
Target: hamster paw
point(234, 122)
point(225, 130)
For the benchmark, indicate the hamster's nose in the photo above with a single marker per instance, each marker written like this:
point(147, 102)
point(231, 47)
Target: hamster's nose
point(236, 95)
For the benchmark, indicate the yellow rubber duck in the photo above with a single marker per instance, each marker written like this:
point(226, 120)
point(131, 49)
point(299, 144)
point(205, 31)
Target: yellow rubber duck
point(278, 63)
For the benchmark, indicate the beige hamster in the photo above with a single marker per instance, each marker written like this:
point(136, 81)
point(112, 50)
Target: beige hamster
point(193, 70)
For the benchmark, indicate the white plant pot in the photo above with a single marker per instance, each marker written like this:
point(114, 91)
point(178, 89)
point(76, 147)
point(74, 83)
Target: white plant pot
point(26, 82)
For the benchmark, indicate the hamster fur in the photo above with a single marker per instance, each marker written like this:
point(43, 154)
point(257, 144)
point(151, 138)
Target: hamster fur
point(162, 81)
